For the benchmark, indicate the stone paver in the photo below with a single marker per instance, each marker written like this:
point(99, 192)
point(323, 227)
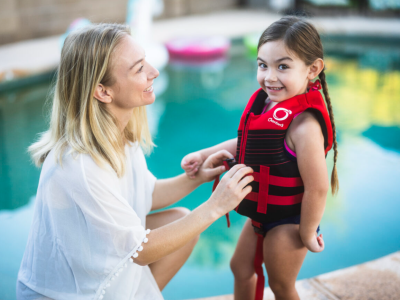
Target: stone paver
point(378, 279)
point(375, 280)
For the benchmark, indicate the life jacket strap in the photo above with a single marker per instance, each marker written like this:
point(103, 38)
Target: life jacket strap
point(280, 181)
point(276, 200)
point(258, 261)
point(263, 190)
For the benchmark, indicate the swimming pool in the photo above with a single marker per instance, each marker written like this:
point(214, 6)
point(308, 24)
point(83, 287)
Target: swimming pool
point(201, 106)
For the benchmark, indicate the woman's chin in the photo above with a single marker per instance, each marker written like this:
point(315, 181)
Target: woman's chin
point(150, 98)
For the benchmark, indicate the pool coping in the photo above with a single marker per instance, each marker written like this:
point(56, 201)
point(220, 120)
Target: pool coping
point(28, 59)
point(377, 279)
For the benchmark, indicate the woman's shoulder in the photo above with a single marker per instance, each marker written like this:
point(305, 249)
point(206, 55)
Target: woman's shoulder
point(136, 154)
point(72, 166)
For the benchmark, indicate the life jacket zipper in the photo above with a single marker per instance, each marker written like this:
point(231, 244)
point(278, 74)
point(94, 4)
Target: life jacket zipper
point(244, 138)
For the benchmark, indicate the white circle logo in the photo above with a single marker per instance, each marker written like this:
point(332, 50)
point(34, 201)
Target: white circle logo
point(287, 113)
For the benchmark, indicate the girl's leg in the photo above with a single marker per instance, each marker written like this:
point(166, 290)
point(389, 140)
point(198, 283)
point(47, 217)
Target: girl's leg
point(164, 269)
point(284, 254)
point(242, 264)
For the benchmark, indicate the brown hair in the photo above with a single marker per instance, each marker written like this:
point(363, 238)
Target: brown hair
point(303, 39)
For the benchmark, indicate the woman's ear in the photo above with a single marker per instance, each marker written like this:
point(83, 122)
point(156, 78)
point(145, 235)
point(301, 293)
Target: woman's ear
point(316, 68)
point(102, 94)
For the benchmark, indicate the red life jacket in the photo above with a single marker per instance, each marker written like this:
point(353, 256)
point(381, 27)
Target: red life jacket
point(277, 189)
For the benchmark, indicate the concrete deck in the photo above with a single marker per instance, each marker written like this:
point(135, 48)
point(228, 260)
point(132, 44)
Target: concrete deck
point(38, 56)
point(375, 280)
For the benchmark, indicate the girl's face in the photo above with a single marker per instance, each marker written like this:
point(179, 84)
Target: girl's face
point(281, 74)
point(133, 77)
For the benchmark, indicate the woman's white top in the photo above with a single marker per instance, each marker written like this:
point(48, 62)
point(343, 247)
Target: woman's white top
point(87, 225)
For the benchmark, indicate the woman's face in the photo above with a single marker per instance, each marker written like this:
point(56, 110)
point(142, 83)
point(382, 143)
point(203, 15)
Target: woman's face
point(133, 76)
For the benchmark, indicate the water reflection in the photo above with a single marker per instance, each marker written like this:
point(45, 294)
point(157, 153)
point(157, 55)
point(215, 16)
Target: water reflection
point(200, 109)
point(21, 119)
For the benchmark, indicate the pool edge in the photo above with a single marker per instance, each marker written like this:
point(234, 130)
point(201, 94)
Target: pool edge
point(380, 277)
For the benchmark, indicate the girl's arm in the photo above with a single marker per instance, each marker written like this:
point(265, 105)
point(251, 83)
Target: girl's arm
point(229, 145)
point(305, 136)
point(229, 193)
point(191, 162)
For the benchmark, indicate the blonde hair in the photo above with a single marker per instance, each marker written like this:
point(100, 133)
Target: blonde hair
point(78, 119)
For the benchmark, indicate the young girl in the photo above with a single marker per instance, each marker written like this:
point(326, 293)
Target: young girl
point(284, 134)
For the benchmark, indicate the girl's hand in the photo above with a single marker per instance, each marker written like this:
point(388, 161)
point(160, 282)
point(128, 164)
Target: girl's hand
point(231, 190)
point(191, 164)
point(316, 244)
point(213, 166)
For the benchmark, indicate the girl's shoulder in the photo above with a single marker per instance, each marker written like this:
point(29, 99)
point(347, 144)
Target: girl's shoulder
point(305, 127)
point(305, 123)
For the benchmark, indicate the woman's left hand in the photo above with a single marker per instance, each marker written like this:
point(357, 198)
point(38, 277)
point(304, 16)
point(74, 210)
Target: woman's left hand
point(213, 166)
point(316, 244)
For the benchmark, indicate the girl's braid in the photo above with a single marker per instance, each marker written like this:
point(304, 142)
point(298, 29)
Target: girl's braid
point(334, 177)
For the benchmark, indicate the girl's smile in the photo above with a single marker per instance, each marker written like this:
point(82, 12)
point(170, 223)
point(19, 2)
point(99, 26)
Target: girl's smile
point(274, 89)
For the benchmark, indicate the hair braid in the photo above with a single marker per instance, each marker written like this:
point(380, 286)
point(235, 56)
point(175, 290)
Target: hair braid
point(334, 177)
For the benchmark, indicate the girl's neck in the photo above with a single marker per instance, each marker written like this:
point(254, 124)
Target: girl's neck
point(269, 105)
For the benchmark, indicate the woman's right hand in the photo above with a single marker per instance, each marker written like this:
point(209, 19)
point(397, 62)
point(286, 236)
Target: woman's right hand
point(232, 189)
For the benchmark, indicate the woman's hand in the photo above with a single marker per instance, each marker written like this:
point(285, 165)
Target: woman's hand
point(231, 190)
point(213, 166)
point(315, 244)
point(191, 163)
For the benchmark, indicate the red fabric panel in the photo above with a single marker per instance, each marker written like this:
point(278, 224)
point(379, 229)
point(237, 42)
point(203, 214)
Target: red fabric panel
point(277, 200)
point(248, 107)
point(257, 224)
point(263, 190)
point(226, 165)
point(280, 181)
point(256, 176)
point(227, 220)
point(243, 147)
point(258, 261)
point(216, 181)
point(285, 181)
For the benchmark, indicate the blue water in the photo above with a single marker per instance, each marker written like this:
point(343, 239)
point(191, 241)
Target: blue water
point(201, 106)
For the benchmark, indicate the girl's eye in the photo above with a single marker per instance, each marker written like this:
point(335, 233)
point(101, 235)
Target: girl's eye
point(140, 70)
point(262, 65)
point(283, 67)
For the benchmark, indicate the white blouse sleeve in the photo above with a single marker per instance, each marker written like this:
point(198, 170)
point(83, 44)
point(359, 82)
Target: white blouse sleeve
point(107, 212)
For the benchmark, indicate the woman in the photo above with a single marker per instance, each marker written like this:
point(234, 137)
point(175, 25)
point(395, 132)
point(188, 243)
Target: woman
point(88, 238)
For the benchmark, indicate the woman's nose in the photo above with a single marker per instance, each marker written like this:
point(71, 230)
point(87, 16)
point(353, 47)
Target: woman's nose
point(153, 72)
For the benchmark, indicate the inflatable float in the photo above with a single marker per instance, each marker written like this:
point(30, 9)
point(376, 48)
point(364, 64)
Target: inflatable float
point(198, 48)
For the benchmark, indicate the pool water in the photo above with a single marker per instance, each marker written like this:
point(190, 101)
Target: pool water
point(201, 106)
